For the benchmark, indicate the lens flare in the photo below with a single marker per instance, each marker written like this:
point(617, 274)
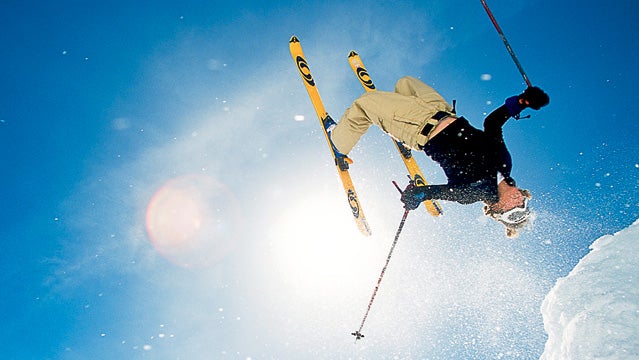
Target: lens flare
point(192, 220)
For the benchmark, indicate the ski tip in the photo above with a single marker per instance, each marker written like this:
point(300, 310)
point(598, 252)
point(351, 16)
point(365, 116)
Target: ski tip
point(294, 39)
point(352, 53)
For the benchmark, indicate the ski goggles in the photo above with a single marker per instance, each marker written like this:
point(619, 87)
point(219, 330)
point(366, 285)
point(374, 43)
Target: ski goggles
point(514, 216)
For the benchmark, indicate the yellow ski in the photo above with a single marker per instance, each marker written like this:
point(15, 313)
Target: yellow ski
point(416, 175)
point(340, 163)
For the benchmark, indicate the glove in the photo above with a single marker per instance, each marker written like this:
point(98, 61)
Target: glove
point(413, 196)
point(535, 97)
point(513, 106)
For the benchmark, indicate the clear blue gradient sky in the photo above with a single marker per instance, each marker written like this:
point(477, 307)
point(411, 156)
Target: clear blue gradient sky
point(118, 118)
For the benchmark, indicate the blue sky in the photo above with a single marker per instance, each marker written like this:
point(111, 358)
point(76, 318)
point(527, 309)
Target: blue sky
point(110, 110)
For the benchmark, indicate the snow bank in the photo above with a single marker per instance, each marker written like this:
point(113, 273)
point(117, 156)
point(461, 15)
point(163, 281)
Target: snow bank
point(593, 313)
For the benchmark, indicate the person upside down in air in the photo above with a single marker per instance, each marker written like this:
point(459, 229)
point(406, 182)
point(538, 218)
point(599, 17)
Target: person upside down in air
point(476, 162)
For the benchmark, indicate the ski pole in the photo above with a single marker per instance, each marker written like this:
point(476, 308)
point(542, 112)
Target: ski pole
point(358, 334)
point(503, 38)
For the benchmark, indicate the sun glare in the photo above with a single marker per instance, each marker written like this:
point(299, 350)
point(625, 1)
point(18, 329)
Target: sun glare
point(192, 220)
point(322, 270)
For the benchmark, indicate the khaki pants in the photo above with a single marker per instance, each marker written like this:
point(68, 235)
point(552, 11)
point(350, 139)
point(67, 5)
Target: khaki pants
point(402, 114)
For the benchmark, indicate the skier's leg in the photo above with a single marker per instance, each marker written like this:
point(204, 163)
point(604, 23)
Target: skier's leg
point(403, 117)
point(411, 86)
point(370, 108)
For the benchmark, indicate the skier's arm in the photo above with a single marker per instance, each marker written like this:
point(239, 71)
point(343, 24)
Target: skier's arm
point(495, 121)
point(493, 129)
point(463, 194)
point(533, 97)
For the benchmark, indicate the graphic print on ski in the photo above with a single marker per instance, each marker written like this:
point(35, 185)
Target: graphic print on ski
point(342, 166)
point(416, 175)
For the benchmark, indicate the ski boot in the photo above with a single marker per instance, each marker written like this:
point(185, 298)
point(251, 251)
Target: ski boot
point(341, 160)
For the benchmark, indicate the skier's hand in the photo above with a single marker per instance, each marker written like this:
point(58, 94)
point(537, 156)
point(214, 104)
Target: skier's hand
point(534, 98)
point(413, 196)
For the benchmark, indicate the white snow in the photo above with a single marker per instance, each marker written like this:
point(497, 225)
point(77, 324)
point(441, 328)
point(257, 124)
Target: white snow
point(593, 313)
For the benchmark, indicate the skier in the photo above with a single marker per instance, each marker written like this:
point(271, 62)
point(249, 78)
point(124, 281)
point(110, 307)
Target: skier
point(477, 163)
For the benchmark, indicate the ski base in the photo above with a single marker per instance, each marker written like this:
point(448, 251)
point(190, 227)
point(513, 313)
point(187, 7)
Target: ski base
point(341, 163)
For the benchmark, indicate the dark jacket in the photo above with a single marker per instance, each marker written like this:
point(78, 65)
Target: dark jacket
point(471, 159)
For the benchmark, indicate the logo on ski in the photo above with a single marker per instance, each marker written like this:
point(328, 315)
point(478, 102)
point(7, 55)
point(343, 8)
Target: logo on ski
point(302, 66)
point(419, 181)
point(363, 76)
point(352, 201)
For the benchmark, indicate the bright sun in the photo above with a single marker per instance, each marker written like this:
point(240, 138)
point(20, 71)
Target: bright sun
point(317, 246)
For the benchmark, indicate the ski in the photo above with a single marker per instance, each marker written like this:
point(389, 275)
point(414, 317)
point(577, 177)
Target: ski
point(340, 163)
point(405, 153)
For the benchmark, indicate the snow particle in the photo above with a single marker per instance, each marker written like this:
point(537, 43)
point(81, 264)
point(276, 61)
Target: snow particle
point(215, 65)
point(299, 117)
point(486, 77)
